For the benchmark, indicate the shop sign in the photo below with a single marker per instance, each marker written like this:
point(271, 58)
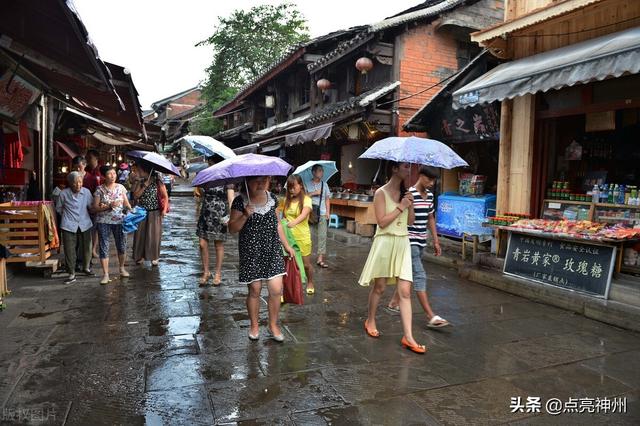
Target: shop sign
point(472, 124)
point(578, 266)
point(16, 94)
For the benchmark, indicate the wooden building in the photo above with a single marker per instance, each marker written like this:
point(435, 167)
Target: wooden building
point(314, 103)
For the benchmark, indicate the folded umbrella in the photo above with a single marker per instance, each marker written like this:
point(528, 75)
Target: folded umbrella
point(156, 161)
point(306, 174)
point(237, 168)
point(412, 149)
point(206, 145)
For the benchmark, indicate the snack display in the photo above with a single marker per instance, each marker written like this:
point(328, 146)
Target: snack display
point(583, 229)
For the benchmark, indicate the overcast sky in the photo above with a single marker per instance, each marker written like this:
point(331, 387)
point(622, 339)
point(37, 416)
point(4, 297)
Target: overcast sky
point(155, 39)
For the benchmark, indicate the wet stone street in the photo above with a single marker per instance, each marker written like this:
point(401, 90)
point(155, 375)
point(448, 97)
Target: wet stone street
point(156, 349)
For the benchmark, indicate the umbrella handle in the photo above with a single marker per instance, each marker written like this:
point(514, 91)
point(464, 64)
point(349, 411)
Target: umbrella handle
point(375, 178)
point(246, 187)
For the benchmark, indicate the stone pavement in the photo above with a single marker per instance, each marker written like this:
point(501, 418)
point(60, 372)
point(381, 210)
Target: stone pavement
point(156, 349)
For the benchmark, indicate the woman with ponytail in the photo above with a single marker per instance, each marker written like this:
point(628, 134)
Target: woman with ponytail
point(390, 255)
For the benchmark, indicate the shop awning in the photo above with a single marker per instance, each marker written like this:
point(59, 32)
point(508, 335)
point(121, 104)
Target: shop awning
point(67, 149)
point(112, 139)
point(309, 135)
point(611, 55)
point(247, 149)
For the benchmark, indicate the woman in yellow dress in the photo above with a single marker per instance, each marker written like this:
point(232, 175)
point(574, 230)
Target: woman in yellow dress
point(296, 209)
point(390, 255)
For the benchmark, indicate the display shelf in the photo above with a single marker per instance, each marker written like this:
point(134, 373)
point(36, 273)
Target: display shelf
point(619, 206)
point(576, 203)
point(617, 220)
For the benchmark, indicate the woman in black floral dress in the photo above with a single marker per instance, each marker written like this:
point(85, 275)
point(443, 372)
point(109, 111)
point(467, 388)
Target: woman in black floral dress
point(253, 215)
point(212, 226)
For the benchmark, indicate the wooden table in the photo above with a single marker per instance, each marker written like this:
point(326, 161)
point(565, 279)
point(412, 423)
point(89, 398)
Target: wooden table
point(361, 211)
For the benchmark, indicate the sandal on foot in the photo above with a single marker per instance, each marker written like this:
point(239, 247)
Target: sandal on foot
point(322, 265)
point(254, 337)
point(202, 282)
point(311, 291)
point(437, 322)
point(393, 309)
point(371, 333)
point(419, 349)
point(217, 279)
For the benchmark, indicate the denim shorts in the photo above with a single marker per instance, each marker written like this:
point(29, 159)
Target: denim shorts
point(419, 274)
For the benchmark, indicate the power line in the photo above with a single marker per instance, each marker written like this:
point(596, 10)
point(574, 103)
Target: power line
point(430, 87)
point(576, 32)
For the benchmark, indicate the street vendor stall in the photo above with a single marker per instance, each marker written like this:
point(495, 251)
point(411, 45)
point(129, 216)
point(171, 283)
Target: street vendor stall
point(358, 207)
point(579, 255)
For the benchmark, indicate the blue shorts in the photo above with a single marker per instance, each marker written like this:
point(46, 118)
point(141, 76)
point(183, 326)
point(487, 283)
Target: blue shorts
point(419, 274)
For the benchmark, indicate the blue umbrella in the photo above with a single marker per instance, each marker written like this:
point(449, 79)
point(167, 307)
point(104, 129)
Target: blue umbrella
point(415, 150)
point(197, 167)
point(305, 173)
point(155, 161)
point(208, 146)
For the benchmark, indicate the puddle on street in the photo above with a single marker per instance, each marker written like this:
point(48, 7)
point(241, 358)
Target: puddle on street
point(174, 326)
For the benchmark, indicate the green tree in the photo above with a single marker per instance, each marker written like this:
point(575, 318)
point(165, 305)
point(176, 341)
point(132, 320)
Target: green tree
point(243, 45)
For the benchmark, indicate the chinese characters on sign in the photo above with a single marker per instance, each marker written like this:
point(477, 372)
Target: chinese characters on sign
point(467, 125)
point(571, 265)
point(555, 406)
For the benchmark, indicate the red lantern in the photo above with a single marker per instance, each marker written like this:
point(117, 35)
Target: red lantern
point(364, 64)
point(323, 84)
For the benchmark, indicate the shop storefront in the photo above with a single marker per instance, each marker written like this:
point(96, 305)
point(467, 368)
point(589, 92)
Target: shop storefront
point(466, 196)
point(569, 157)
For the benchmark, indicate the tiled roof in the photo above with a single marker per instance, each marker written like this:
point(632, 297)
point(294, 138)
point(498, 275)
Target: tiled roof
point(361, 101)
point(234, 132)
point(431, 10)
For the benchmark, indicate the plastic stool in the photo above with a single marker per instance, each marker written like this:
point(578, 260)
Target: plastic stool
point(334, 221)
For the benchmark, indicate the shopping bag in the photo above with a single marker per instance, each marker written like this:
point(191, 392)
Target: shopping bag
point(292, 283)
point(133, 218)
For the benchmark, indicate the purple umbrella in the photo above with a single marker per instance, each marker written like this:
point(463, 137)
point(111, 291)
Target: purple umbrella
point(156, 161)
point(235, 169)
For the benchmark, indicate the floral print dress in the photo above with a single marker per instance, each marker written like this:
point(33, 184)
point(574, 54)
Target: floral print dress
point(214, 212)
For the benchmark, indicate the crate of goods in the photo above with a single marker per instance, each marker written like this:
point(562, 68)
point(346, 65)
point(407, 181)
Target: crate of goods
point(28, 230)
point(471, 184)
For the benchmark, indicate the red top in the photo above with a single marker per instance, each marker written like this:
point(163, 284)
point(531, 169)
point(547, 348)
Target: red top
point(92, 179)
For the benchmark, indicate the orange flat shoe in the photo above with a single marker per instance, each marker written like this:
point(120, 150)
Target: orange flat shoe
point(374, 333)
point(419, 349)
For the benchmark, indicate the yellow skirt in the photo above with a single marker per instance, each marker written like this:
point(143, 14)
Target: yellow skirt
point(389, 257)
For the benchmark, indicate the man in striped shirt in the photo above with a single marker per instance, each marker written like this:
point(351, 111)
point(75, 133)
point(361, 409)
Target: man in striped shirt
point(425, 220)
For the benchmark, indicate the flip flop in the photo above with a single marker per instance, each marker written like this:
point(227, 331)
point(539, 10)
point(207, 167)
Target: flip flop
point(437, 322)
point(392, 309)
point(373, 333)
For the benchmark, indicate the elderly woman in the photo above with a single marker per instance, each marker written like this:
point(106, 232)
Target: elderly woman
point(74, 205)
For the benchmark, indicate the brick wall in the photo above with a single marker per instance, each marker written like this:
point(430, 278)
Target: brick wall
point(425, 58)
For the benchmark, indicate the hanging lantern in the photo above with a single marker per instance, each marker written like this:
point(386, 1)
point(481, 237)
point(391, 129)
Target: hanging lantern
point(364, 64)
point(323, 84)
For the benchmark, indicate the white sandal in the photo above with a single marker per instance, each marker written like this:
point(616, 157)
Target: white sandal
point(437, 322)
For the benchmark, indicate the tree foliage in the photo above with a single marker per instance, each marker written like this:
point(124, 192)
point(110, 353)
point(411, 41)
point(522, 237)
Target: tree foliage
point(243, 45)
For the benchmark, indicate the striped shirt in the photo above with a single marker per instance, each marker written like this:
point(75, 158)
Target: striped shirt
point(423, 209)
